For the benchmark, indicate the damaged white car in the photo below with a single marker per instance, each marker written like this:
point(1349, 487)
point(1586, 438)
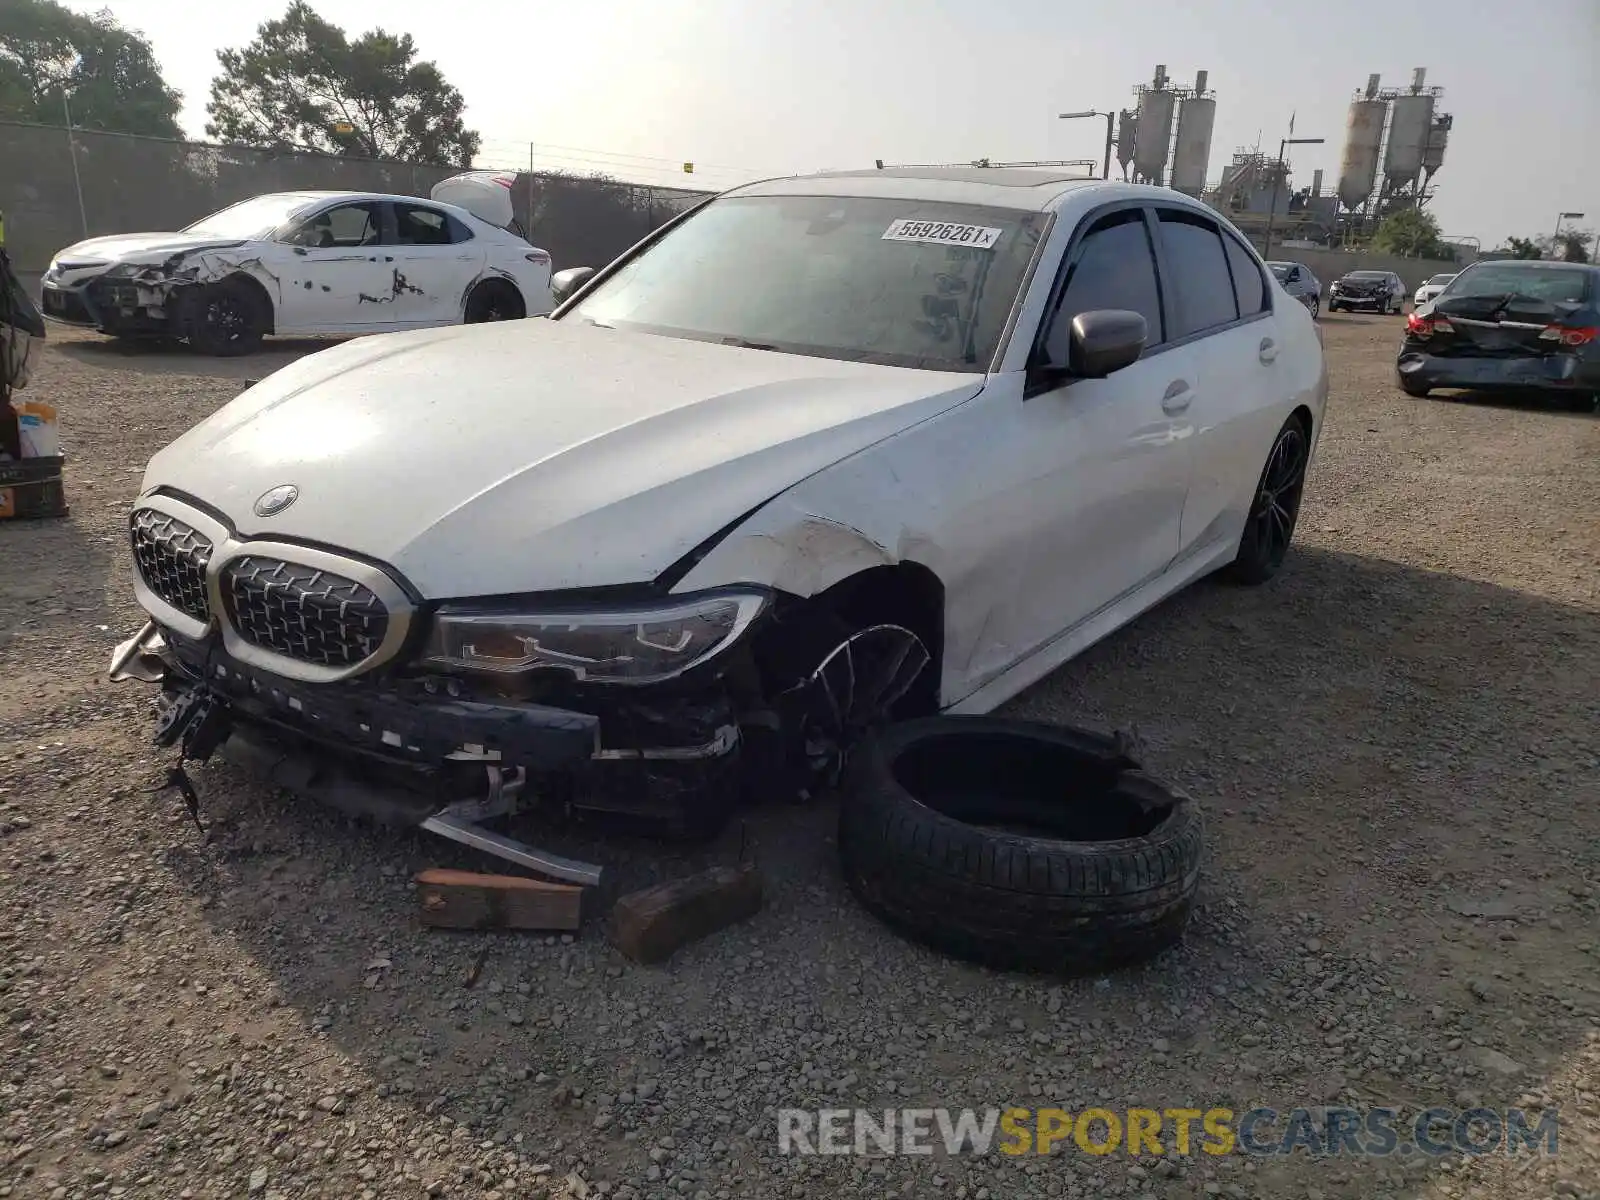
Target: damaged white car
point(308, 263)
point(822, 451)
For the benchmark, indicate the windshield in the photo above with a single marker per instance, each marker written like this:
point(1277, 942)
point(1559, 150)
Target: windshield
point(1439, 280)
point(1281, 270)
point(1366, 275)
point(1552, 285)
point(249, 218)
point(901, 282)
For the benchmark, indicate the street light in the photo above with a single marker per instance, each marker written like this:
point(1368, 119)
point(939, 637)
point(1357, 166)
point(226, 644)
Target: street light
point(1095, 112)
point(1560, 217)
point(1277, 176)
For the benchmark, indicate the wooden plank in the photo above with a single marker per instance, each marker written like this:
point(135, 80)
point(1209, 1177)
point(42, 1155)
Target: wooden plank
point(466, 900)
point(650, 925)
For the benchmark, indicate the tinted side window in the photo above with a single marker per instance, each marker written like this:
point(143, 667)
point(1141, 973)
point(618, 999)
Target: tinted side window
point(1115, 268)
point(418, 226)
point(1199, 269)
point(1248, 287)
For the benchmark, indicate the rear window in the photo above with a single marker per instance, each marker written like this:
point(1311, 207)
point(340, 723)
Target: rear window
point(1553, 285)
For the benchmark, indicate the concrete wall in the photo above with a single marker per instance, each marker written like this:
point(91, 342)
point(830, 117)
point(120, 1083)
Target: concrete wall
point(1328, 265)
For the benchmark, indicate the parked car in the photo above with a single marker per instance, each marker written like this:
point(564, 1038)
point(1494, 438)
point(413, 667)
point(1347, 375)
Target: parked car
point(1509, 325)
point(301, 263)
point(1299, 282)
point(819, 451)
point(1380, 291)
point(1431, 288)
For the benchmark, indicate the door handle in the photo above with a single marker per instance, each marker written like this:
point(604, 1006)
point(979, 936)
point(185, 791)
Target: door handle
point(1269, 350)
point(1178, 397)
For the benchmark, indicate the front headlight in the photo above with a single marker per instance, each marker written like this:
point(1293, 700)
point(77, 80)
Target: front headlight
point(125, 270)
point(631, 644)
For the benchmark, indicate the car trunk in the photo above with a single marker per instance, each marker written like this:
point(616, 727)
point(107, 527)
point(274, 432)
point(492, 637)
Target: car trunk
point(1501, 326)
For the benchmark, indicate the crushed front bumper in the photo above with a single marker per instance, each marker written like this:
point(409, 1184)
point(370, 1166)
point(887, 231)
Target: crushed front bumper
point(1566, 373)
point(417, 755)
point(113, 306)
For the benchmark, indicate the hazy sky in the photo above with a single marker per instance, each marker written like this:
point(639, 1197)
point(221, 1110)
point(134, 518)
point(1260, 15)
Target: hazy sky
point(763, 87)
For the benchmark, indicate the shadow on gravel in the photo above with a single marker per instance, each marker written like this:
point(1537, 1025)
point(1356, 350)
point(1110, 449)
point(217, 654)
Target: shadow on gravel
point(169, 357)
point(1381, 751)
point(1535, 402)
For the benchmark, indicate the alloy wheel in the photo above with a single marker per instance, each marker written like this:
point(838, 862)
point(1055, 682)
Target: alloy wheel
point(1277, 502)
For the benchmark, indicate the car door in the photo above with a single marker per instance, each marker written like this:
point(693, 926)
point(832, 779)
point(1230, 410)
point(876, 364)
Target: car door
point(436, 258)
point(1102, 464)
point(1224, 316)
point(330, 269)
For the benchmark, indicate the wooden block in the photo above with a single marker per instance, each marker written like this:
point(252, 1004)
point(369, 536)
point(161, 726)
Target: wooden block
point(466, 900)
point(649, 926)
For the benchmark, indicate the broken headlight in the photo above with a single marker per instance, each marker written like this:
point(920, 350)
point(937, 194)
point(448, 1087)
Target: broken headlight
point(646, 643)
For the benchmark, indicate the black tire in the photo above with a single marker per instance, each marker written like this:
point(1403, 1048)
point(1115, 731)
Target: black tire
point(1332, 307)
point(1412, 388)
point(920, 847)
point(226, 319)
point(494, 300)
point(1274, 507)
point(1314, 307)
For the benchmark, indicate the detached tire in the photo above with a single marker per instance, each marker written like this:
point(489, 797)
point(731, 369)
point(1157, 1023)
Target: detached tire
point(1018, 845)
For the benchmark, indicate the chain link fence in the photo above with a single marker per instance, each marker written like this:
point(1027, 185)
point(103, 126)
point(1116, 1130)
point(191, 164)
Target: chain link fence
point(57, 188)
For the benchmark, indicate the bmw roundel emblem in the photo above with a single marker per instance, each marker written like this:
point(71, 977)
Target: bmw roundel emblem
point(273, 502)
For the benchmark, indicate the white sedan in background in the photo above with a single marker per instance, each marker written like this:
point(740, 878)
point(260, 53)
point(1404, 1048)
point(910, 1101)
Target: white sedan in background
point(306, 263)
point(1431, 288)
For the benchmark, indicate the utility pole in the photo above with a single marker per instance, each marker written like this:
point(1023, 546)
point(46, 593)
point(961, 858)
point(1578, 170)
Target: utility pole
point(1277, 179)
point(72, 150)
point(1110, 118)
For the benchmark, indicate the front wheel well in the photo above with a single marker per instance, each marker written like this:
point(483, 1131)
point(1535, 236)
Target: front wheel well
point(242, 279)
point(806, 630)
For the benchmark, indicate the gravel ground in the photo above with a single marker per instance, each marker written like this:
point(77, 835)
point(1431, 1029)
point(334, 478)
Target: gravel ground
point(1398, 733)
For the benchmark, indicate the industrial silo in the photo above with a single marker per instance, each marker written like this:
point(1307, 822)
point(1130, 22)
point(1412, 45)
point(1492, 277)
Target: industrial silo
point(1358, 168)
point(1410, 124)
point(1197, 113)
point(1438, 138)
point(1127, 137)
point(1155, 129)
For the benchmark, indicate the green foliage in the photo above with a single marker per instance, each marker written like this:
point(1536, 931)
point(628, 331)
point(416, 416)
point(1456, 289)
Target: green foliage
point(302, 84)
point(1411, 232)
point(107, 74)
point(1571, 245)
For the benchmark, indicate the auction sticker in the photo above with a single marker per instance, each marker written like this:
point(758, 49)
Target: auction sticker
point(942, 233)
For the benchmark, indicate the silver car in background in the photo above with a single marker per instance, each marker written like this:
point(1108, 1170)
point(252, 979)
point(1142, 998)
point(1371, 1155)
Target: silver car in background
point(1297, 279)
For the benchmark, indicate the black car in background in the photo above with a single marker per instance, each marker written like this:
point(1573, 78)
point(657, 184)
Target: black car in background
point(1510, 326)
point(1380, 291)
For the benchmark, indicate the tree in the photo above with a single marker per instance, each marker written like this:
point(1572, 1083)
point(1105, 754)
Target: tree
point(1570, 245)
point(108, 74)
point(302, 84)
point(1523, 248)
point(1411, 232)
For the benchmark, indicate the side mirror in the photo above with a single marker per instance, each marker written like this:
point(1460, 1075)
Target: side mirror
point(1105, 340)
point(564, 283)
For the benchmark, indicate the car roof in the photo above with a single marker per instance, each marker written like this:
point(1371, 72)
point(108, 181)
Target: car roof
point(377, 197)
point(1026, 189)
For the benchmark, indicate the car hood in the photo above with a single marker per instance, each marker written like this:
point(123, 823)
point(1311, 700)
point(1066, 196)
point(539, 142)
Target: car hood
point(139, 247)
point(535, 455)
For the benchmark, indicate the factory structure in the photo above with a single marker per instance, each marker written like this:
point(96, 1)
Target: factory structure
point(1394, 145)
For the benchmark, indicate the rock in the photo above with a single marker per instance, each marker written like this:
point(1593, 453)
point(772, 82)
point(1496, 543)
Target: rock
point(1494, 1060)
point(258, 1180)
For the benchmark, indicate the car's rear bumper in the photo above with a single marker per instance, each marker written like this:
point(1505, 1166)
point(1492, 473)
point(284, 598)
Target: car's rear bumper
point(1546, 372)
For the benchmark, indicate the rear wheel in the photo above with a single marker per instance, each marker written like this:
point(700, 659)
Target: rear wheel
point(494, 300)
point(1275, 508)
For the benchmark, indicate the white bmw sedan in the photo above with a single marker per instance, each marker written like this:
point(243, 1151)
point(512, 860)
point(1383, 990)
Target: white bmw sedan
point(300, 263)
point(822, 449)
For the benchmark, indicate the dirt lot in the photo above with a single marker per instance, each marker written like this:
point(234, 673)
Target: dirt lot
point(1400, 732)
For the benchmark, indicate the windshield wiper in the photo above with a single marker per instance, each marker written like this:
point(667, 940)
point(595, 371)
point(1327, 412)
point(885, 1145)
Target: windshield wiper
point(746, 344)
